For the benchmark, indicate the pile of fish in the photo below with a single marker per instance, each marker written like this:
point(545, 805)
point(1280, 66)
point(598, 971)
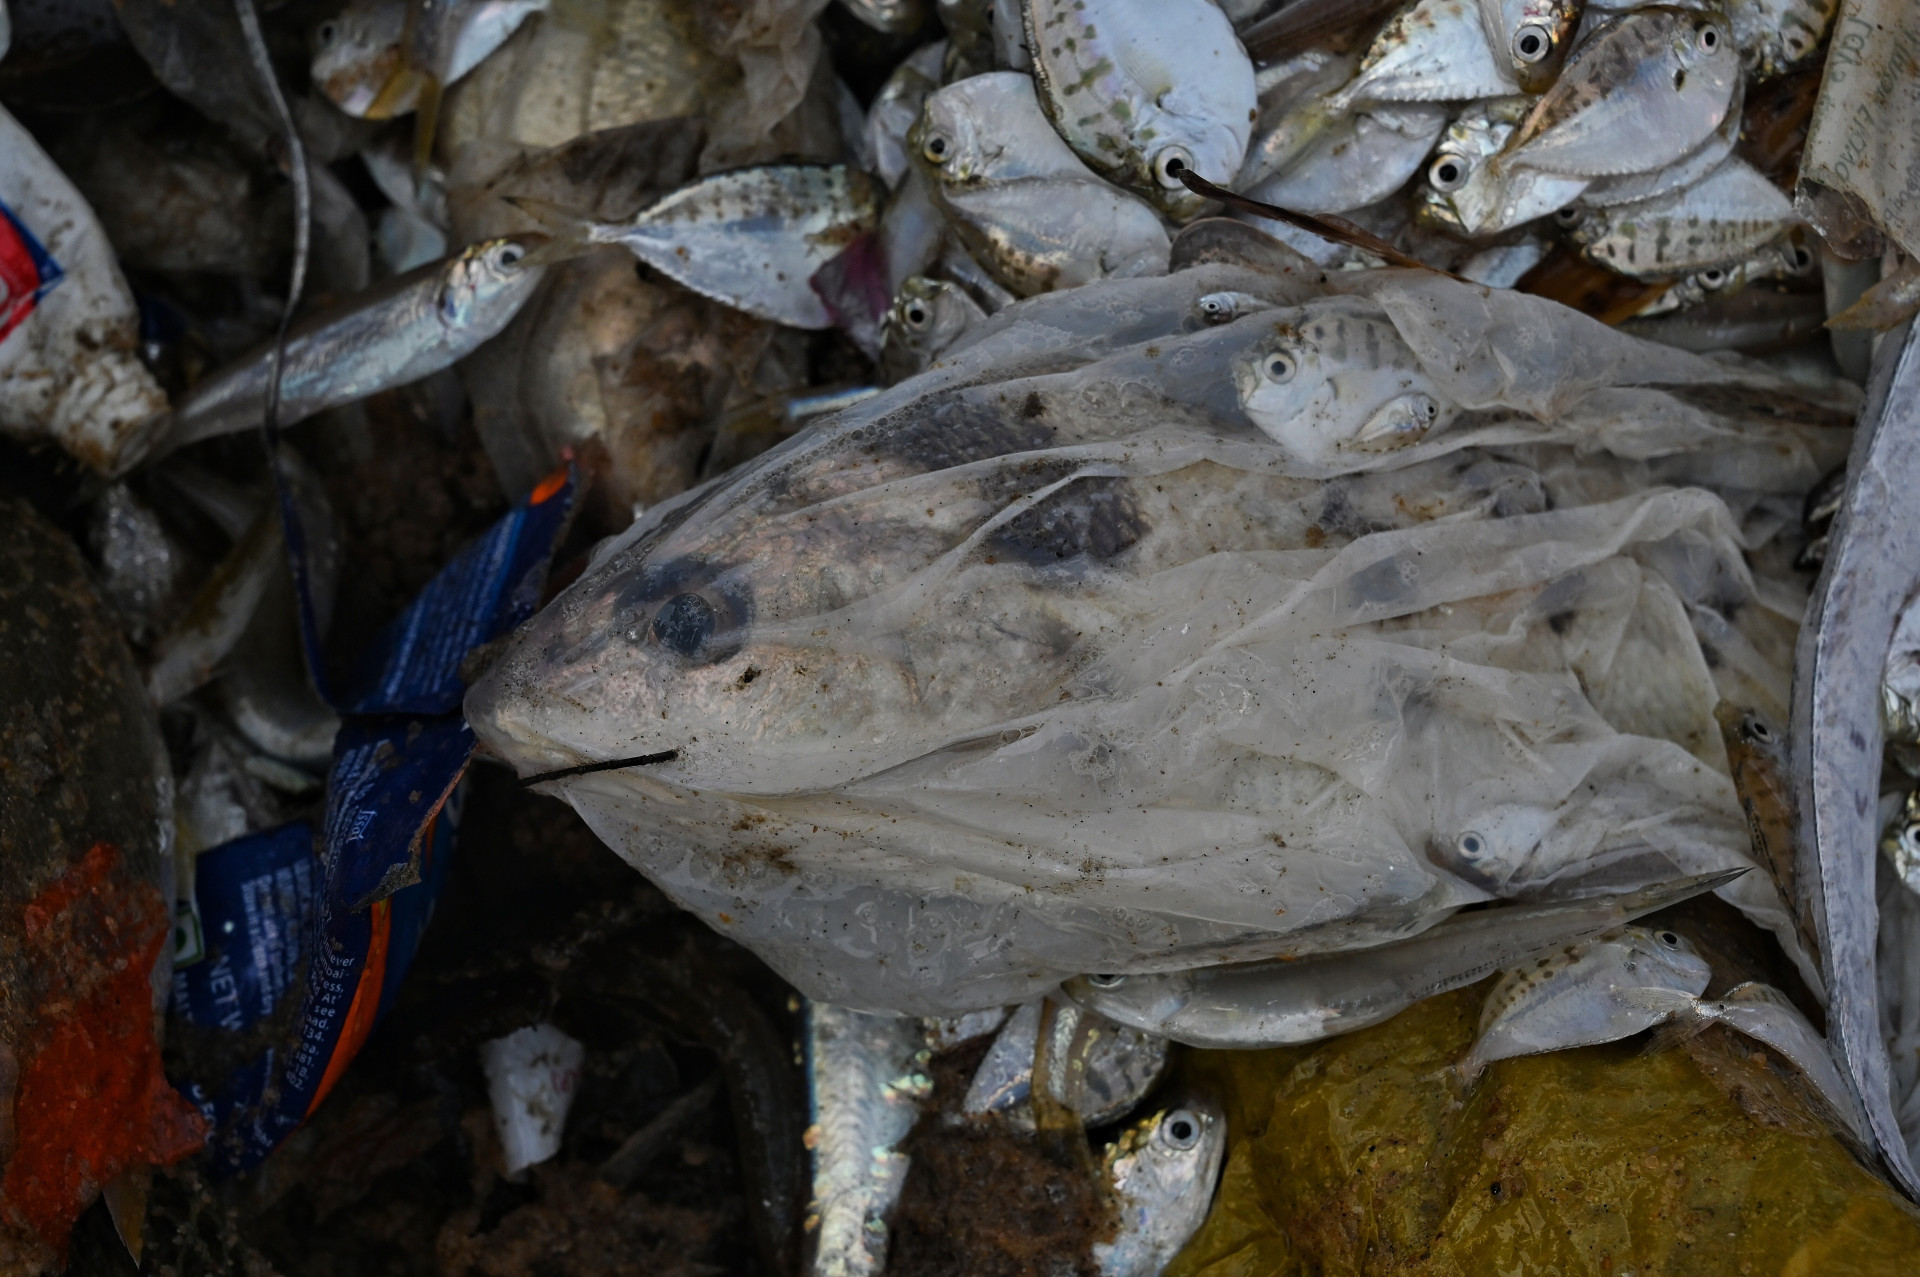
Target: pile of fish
point(1118, 524)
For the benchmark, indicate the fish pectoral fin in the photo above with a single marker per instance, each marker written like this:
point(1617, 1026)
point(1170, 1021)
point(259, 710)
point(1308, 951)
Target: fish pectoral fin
point(1398, 423)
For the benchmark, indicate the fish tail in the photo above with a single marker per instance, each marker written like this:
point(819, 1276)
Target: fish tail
point(571, 233)
point(1892, 301)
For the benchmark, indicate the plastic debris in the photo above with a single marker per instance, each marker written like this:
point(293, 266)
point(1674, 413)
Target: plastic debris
point(532, 1074)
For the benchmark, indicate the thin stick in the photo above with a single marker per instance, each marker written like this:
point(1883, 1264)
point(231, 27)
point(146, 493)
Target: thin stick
point(1336, 229)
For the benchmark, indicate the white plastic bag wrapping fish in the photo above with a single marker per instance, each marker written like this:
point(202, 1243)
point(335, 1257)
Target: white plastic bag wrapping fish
point(1863, 144)
point(69, 332)
point(1062, 657)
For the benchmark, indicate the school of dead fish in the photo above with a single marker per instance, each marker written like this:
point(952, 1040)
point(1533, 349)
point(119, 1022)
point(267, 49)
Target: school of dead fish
point(1134, 464)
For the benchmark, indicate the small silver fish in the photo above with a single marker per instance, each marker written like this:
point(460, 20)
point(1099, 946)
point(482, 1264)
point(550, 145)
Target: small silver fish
point(1335, 378)
point(897, 106)
point(751, 238)
point(1729, 216)
point(1161, 1174)
point(1358, 160)
point(1118, 1065)
point(1141, 92)
point(358, 58)
point(1020, 200)
point(1474, 136)
point(1768, 1016)
point(867, 1080)
point(1282, 1002)
point(1782, 260)
point(928, 316)
point(1584, 995)
point(1640, 92)
point(1226, 306)
point(1775, 36)
point(393, 334)
point(895, 17)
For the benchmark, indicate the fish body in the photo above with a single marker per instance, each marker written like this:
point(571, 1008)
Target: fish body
point(1776, 36)
point(1333, 378)
point(895, 17)
point(1431, 51)
point(1288, 1001)
point(1116, 1065)
point(377, 59)
point(1641, 92)
point(1140, 91)
point(1018, 197)
point(1585, 995)
point(1901, 842)
point(1687, 171)
point(928, 316)
point(396, 333)
point(1161, 1174)
point(867, 1081)
point(1360, 160)
point(1472, 138)
point(1727, 217)
point(1781, 260)
point(897, 106)
point(752, 238)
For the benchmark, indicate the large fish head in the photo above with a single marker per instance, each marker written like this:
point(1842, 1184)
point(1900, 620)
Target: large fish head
point(951, 137)
point(1535, 35)
point(488, 282)
point(1162, 1172)
point(1329, 380)
point(358, 56)
point(1663, 958)
point(1475, 137)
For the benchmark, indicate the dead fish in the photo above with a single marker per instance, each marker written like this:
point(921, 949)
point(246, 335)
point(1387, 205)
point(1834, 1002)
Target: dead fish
point(1228, 305)
point(1782, 260)
point(1900, 844)
point(1640, 92)
point(1729, 216)
point(1114, 1066)
point(1286, 1001)
point(1141, 92)
point(380, 58)
point(1755, 320)
point(1586, 994)
point(897, 106)
point(751, 238)
point(393, 334)
point(928, 316)
point(1757, 761)
point(1357, 161)
point(1431, 51)
point(1335, 379)
point(1687, 171)
point(1020, 200)
point(1776, 36)
point(1292, 111)
point(895, 17)
point(867, 1080)
point(1769, 1017)
point(1472, 138)
point(1535, 35)
point(185, 656)
point(1161, 1175)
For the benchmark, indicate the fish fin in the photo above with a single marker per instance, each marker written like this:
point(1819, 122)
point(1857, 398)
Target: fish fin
point(1659, 896)
point(126, 1199)
point(1681, 1017)
point(569, 231)
point(1892, 301)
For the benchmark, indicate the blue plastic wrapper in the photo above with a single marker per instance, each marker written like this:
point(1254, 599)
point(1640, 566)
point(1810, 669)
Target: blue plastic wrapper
point(354, 915)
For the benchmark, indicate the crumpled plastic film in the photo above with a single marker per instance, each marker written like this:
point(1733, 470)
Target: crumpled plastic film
point(1355, 1156)
point(1046, 662)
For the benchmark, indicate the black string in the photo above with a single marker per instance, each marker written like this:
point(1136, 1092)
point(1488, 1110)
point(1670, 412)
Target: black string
point(642, 760)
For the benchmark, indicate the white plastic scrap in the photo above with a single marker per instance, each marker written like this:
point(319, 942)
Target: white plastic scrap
point(69, 365)
point(1054, 659)
point(531, 1077)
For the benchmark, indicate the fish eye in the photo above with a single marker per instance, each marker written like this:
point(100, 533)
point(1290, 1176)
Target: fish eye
point(1216, 310)
point(1471, 845)
point(936, 148)
point(1532, 42)
point(1108, 981)
point(509, 254)
point(1170, 164)
point(684, 623)
point(1759, 731)
point(1279, 367)
point(1669, 939)
point(1707, 36)
point(1801, 259)
point(325, 33)
point(1449, 173)
point(1712, 277)
point(1180, 1130)
point(1569, 217)
point(1425, 408)
point(915, 315)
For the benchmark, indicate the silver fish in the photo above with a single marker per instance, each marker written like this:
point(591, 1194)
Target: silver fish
point(867, 1081)
point(1114, 1066)
point(1901, 842)
point(896, 17)
point(1357, 161)
point(1534, 34)
point(1775, 36)
point(1729, 216)
point(357, 53)
point(1687, 171)
point(1144, 91)
point(1782, 260)
point(1639, 93)
point(1228, 305)
point(185, 656)
point(751, 238)
point(1020, 200)
point(928, 316)
point(1768, 1016)
point(1292, 111)
point(1161, 1174)
point(1282, 1002)
point(1473, 137)
point(1334, 378)
point(1584, 995)
point(897, 106)
point(396, 333)
point(1900, 687)
point(1431, 51)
